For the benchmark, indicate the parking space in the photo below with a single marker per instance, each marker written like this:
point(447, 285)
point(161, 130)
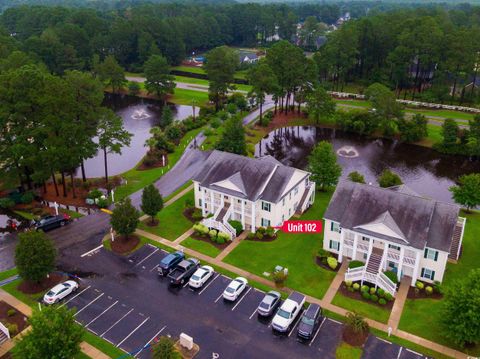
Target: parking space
point(115, 314)
point(327, 338)
point(376, 348)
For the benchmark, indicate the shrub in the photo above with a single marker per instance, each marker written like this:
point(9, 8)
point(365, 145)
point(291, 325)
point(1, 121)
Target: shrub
point(374, 298)
point(392, 276)
point(259, 235)
point(279, 277)
point(348, 283)
point(388, 297)
point(366, 295)
point(380, 292)
point(12, 328)
point(323, 253)
point(96, 193)
point(220, 240)
point(428, 290)
point(270, 232)
point(200, 229)
point(373, 290)
point(27, 198)
point(225, 237)
point(261, 230)
point(103, 203)
point(197, 214)
point(189, 203)
point(133, 88)
point(355, 264)
point(237, 225)
point(332, 262)
point(213, 234)
point(437, 287)
point(356, 286)
point(6, 203)
point(350, 289)
point(365, 288)
point(382, 301)
point(11, 312)
point(419, 285)
point(251, 236)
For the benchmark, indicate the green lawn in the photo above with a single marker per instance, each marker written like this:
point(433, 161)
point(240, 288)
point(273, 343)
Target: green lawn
point(357, 103)
point(443, 113)
point(421, 315)
point(346, 351)
point(193, 70)
point(363, 308)
point(296, 252)
point(203, 82)
point(201, 246)
point(172, 221)
point(185, 97)
point(8, 273)
point(137, 180)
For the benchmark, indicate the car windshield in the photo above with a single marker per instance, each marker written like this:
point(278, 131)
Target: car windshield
point(167, 259)
point(308, 321)
point(50, 293)
point(195, 277)
point(283, 313)
point(230, 290)
point(264, 305)
point(66, 285)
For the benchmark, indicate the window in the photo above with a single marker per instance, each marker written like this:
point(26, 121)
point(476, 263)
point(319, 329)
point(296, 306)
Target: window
point(200, 202)
point(334, 245)
point(295, 205)
point(199, 189)
point(394, 247)
point(430, 254)
point(266, 206)
point(239, 200)
point(265, 222)
point(335, 227)
point(283, 201)
point(428, 273)
point(366, 239)
point(365, 255)
point(283, 218)
point(295, 191)
point(391, 265)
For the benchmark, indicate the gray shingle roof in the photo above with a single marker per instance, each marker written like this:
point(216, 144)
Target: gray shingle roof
point(258, 178)
point(423, 221)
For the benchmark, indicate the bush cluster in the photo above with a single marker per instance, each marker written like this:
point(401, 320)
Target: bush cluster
point(237, 225)
point(429, 290)
point(370, 293)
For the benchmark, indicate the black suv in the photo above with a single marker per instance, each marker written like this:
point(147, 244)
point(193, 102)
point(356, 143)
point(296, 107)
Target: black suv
point(310, 322)
point(51, 222)
point(169, 262)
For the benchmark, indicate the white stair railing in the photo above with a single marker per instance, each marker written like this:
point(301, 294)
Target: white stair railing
point(211, 223)
point(354, 274)
point(386, 284)
point(4, 329)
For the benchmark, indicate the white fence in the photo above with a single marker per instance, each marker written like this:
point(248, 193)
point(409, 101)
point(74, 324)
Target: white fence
point(380, 279)
point(4, 329)
point(222, 227)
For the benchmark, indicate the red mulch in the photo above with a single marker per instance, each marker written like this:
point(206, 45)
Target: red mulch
point(123, 245)
point(188, 213)
point(422, 294)
point(18, 318)
point(28, 287)
point(151, 223)
point(51, 195)
point(352, 338)
point(208, 240)
point(6, 356)
point(320, 263)
point(358, 296)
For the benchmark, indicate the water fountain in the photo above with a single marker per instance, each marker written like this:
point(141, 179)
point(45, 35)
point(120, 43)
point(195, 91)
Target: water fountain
point(140, 114)
point(347, 152)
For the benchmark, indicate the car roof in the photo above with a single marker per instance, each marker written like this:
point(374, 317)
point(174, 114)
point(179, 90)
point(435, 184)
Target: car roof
point(58, 287)
point(312, 310)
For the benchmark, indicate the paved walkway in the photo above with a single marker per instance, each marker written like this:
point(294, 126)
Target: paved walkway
point(400, 299)
point(232, 246)
point(324, 303)
point(336, 282)
point(88, 349)
point(183, 237)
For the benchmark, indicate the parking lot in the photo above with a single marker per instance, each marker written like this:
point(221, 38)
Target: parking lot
point(133, 307)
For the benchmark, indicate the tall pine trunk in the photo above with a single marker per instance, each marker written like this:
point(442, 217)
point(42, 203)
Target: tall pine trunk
point(106, 166)
point(261, 107)
point(84, 177)
point(64, 185)
point(73, 184)
point(473, 83)
point(55, 184)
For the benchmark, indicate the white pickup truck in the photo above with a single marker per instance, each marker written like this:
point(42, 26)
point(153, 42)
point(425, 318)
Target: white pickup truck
point(288, 312)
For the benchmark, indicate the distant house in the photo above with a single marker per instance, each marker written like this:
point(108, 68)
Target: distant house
point(392, 229)
point(248, 57)
point(258, 192)
point(320, 41)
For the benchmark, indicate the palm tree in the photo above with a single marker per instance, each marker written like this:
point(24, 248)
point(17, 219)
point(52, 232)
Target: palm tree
point(356, 323)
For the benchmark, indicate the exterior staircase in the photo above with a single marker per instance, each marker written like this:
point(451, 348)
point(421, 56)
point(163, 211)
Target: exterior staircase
point(3, 337)
point(223, 212)
point(374, 261)
point(299, 211)
point(457, 240)
point(219, 221)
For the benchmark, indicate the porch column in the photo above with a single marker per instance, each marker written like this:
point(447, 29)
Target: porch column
point(400, 265)
point(243, 214)
point(212, 204)
point(340, 249)
point(385, 256)
point(355, 241)
point(253, 216)
point(203, 203)
point(370, 246)
point(415, 270)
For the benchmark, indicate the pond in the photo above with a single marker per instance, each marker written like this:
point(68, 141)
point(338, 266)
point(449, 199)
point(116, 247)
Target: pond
point(427, 172)
point(139, 116)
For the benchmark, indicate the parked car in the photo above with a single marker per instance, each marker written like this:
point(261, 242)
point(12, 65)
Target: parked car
point(169, 262)
point(310, 322)
point(269, 304)
point(51, 222)
point(60, 291)
point(183, 271)
point(234, 289)
point(200, 277)
point(288, 312)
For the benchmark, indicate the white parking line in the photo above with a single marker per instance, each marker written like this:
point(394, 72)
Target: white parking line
point(102, 313)
point(147, 343)
point(220, 296)
point(144, 259)
point(151, 270)
point(236, 305)
point(293, 329)
point(250, 317)
point(414, 352)
point(213, 280)
point(318, 330)
point(91, 251)
point(185, 284)
point(75, 296)
point(335, 321)
point(399, 352)
point(383, 340)
point(134, 330)
point(118, 321)
point(93, 301)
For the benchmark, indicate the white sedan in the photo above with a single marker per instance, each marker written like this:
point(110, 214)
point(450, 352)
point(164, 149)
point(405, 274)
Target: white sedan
point(200, 277)
point(60, 291)
point(235, 288)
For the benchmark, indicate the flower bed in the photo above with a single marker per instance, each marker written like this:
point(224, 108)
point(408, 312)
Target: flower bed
point(322, 260)
point(263, 235)
point(28, 287)
point(424, 290)
point(14, 320)
point(367, 294)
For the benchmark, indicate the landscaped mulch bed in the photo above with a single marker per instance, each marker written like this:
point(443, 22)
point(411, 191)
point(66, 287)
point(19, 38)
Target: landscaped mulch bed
point(53, 279)
point(18, 318)
point(188, 213)
point(156, 164)
point(320, 263)
point(208, 240)
point(358, 296)
point(352, 338)
point(264, 239)
point(422, 294)
point(151, 223)
point(123, 245)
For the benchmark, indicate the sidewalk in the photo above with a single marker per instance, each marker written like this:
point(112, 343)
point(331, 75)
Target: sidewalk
point(325, 303)
point(400, 299)
point(27, 310)
point(336, 282)
point(232, 246)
